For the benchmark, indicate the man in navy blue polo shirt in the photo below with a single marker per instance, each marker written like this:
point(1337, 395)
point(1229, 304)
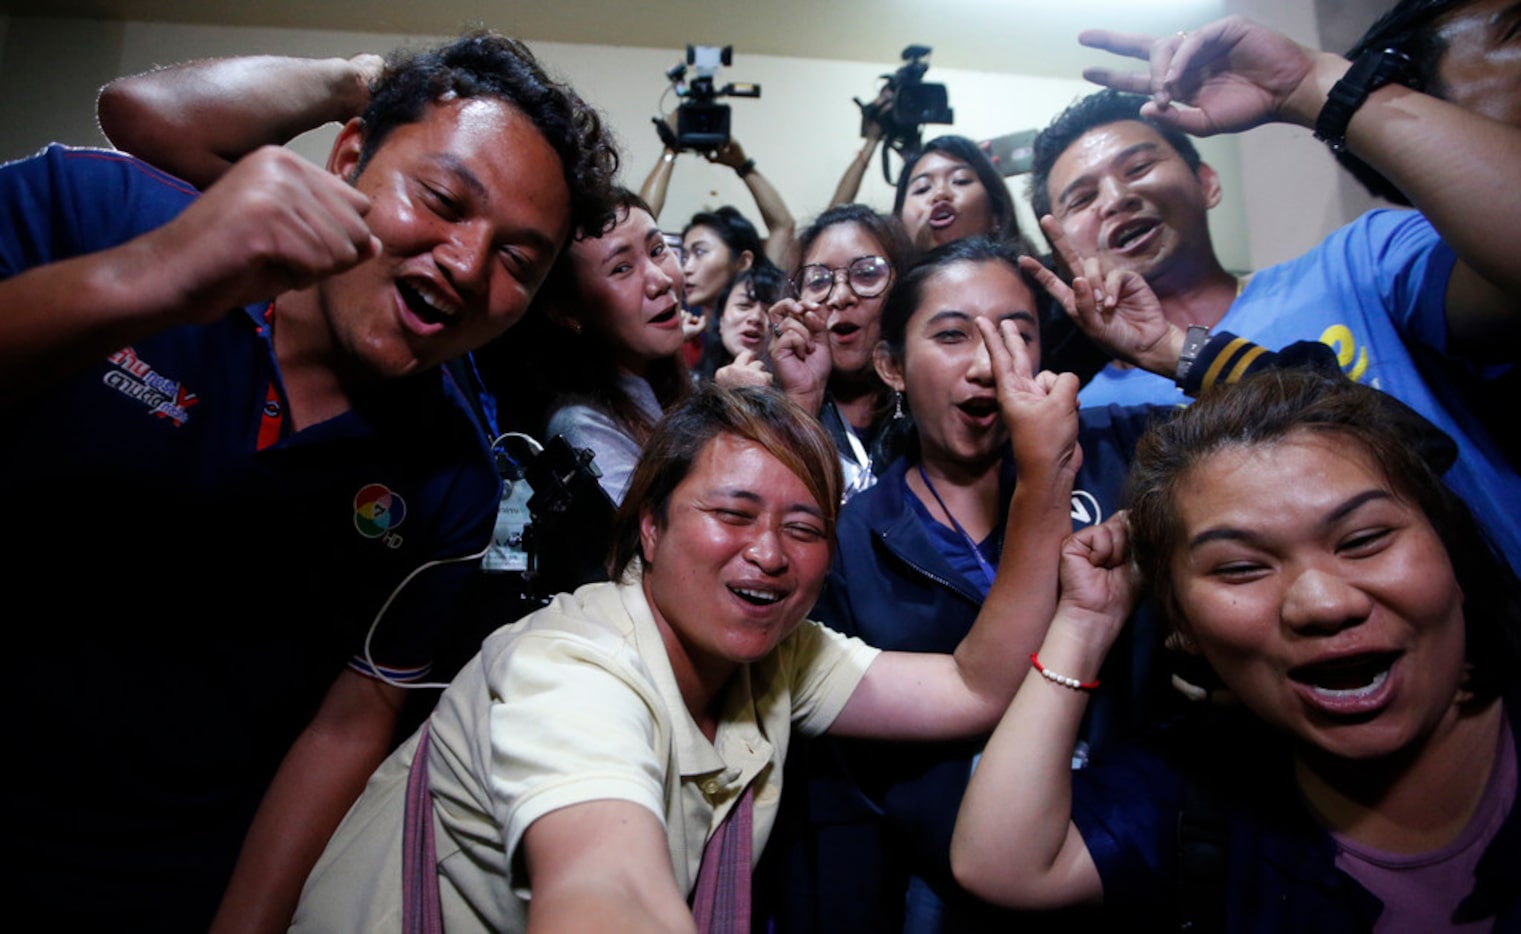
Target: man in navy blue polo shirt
point(228, 444)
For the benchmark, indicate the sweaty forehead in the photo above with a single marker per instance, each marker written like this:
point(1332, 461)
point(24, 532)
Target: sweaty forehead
point(1101, 145)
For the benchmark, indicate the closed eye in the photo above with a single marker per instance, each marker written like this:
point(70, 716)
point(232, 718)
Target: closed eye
point(1364, 542)
point(441, 202)
point(803, 531)
point(1238, 572)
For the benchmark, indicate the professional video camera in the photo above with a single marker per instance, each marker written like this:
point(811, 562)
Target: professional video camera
point(702, 123)
point(914, 103)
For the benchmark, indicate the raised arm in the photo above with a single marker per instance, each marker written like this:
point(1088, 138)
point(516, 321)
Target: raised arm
point(602, 866)
point(850, 183)
point(276, 222)
point(930, 695)
point(1460, 169)
point(1015, 844)
point(196, 119)
point(781, 242)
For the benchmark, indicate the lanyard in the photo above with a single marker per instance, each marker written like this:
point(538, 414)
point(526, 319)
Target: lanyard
point(987, 569)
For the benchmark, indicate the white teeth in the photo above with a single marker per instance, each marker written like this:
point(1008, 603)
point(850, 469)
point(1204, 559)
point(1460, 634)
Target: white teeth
point(434, 300)
point(762, 596)
point(1346, 693)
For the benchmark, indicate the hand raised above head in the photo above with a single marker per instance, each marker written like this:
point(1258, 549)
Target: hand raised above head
point(273, 223)
point(1231, 75)
point(1116, 309)
point(1040, 410)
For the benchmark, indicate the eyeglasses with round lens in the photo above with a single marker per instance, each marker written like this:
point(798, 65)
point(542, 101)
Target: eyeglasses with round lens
point(867, 276)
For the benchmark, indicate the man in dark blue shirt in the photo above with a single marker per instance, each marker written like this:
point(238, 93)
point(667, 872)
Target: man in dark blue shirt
point(229, 446)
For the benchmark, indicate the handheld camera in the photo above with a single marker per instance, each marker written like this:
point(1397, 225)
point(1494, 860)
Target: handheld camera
point(702, 123)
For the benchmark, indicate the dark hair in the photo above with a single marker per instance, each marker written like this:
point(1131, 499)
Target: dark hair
point(584, 366)
point(896, 247)
point(765, 284)
point(734, 229)
point(1089, 113)
point(1411, 27)
point(1266, 409)
point(1005, 222)
point(908, 294)
point(485, 64)
point(763, 416)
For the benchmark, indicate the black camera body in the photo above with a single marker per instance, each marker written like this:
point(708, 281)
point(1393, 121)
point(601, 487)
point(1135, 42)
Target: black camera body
point(915, 103)
point(702, 123)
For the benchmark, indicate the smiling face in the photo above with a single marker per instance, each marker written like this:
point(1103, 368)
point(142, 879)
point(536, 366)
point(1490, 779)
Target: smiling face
point(465, 243)
point(945, 201)
point(743, 325)
point(627, 292)
point(1481, 67)
point(737, 560)
point(708, 265)
point(854, 323)
point(1123, 195)
point(945, 371)
point(1326, 604)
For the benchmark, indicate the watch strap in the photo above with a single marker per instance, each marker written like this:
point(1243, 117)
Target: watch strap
point(1369, 72)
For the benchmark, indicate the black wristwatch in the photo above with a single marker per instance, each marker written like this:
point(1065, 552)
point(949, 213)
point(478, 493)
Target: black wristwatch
point(1371, 71)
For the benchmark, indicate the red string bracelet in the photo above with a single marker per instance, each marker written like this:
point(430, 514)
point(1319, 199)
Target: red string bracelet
point(1063, 680)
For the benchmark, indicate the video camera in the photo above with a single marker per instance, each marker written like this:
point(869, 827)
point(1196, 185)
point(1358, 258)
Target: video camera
point(702, 123)
point(914, 104)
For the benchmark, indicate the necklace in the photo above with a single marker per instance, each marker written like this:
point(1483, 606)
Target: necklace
point(987, 569)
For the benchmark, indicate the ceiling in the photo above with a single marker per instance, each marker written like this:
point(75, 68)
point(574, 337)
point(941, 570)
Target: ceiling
point(1018, 36)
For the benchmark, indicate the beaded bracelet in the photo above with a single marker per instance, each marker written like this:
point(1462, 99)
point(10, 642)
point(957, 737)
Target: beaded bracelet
point(1063, 680)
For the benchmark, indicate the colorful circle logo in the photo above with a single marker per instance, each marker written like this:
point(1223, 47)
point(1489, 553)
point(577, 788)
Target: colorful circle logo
point(377, 510)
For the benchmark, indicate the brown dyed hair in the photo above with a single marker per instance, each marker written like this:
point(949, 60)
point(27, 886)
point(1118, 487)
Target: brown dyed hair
point(763, 416)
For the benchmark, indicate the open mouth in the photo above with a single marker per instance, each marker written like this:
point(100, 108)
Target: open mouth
point(757, 597)
point(1128, 233)
point(942, 216)
point(979, 408)
point(428, 307)
point(1350, 678)
point(844, 329)
point(665, 316)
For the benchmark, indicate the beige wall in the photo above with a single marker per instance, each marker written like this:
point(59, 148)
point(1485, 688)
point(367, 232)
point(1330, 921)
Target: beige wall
point(1283, 191)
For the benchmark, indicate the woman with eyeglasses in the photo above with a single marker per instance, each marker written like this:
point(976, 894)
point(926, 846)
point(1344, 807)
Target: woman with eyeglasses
point(917, 557)
point(849, 257)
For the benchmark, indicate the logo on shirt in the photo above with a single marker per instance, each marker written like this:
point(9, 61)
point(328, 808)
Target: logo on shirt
point(377, 513)
point(1085, 508)
point(135, 378)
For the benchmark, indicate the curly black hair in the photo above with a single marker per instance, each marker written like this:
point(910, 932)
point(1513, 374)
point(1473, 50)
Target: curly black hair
point(486, 64)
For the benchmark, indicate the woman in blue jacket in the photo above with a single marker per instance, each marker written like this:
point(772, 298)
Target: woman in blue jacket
point(916, 560)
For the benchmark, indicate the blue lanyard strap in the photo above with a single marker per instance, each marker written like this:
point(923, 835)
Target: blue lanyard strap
point(987, 569)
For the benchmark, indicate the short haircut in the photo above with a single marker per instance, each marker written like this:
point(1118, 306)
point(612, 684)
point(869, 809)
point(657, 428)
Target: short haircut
point(763, 416)
point(1005, 222)
point(897, 249)
point(1411, 27)
point(485, 64)
point(1273, 406)
point(1090, 113)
